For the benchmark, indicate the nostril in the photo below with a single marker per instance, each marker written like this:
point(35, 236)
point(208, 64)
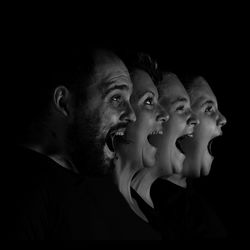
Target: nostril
point(128, 114)
point(131, 117)
point(197, 122)
point(193, 121)
point(162, 117)
point(165, 118)
point(222, 122)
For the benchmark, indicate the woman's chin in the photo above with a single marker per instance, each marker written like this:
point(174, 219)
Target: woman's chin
point(148, 156)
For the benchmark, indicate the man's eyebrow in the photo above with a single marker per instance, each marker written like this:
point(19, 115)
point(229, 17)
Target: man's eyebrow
point(114, 87)
point(179, 99)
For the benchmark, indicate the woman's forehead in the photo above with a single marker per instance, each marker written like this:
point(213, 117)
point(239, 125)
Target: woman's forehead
point(201, 91)
point(142, 81)
point(171, 88)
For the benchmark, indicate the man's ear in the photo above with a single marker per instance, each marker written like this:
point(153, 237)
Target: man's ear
point(62, 100)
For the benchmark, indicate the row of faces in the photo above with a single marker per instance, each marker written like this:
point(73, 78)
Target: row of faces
point(163, 127)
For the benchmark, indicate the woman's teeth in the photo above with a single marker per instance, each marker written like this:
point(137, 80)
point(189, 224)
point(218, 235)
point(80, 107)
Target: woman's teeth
point(157, 133)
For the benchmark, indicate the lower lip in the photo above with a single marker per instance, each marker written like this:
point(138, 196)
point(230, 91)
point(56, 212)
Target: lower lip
point(179, 151)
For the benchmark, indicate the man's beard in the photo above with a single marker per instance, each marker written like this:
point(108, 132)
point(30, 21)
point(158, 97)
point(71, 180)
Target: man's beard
point(86, 145)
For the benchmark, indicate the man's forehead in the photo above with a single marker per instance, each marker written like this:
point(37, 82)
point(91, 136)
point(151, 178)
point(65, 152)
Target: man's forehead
point(111, 70)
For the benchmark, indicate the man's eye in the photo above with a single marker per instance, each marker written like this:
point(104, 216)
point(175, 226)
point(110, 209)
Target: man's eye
point(149, 101)
point(116, 99)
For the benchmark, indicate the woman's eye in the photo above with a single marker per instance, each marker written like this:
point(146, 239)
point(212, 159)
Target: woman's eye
point(209, 109)
point(149, 101)
point(180, 108)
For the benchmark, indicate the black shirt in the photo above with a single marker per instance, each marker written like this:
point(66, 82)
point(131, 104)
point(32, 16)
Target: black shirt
point(100, 212)
point(35, 188)
point(184, 213)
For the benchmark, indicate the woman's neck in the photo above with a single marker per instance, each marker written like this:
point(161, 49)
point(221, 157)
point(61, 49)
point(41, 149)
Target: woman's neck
point(142, 182)
point(123, 174)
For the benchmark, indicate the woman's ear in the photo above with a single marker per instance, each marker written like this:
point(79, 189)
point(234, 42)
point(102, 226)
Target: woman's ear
point(62, 100)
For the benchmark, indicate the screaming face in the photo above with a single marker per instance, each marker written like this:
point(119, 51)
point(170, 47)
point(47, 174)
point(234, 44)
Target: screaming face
point(141, 152)
point(181, 123)
point(149, 118)
point(102, 121)
point(199, 156)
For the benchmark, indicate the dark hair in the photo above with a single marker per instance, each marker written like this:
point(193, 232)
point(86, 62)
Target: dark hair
point(44, 71)
point(143, 61)
point(36, 78)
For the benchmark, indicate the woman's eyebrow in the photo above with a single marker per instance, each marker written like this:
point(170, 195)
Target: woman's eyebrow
point(144, 93)
point(206, 102)
point(179, 99)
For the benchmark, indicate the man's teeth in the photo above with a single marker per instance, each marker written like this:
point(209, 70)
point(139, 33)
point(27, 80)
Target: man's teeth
point(120, 133)
point(157, 133)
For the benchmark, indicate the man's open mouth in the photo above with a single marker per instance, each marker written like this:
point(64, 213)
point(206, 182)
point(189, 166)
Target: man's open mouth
point(179, 140)
point(117, 134)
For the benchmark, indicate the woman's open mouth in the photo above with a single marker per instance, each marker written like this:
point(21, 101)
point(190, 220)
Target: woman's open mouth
point(155, 137)
point(179, 140)
point(209, 146)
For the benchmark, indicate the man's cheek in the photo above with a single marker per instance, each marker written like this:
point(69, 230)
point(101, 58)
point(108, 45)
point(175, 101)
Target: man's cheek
point(109, 119)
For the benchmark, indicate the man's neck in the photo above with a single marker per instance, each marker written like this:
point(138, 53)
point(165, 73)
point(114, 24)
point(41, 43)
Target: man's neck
point(60, 158)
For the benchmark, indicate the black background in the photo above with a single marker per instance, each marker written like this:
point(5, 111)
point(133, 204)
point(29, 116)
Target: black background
point(210, 41)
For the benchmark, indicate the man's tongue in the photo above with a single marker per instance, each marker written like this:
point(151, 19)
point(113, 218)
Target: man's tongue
point(110, 141)
point(114, 138)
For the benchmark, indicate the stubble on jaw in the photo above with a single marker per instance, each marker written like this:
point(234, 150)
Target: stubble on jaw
point(86, 143)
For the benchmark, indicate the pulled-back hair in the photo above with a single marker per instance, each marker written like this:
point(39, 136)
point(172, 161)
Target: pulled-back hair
point(143, 61)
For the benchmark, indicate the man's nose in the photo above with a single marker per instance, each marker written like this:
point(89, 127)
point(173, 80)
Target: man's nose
point(193, 119)
point(221, 120)
point(129, 114)
point(162, 116)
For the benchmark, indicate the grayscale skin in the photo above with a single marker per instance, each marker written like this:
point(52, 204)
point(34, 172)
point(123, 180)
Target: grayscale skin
point(79, 131)
point(204, 104)
point(182, 122)
point(135, 163)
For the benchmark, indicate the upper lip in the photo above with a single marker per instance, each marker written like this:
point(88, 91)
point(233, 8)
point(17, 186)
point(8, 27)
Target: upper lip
point(220, 133)
point(116, 130)
point(119, 128)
